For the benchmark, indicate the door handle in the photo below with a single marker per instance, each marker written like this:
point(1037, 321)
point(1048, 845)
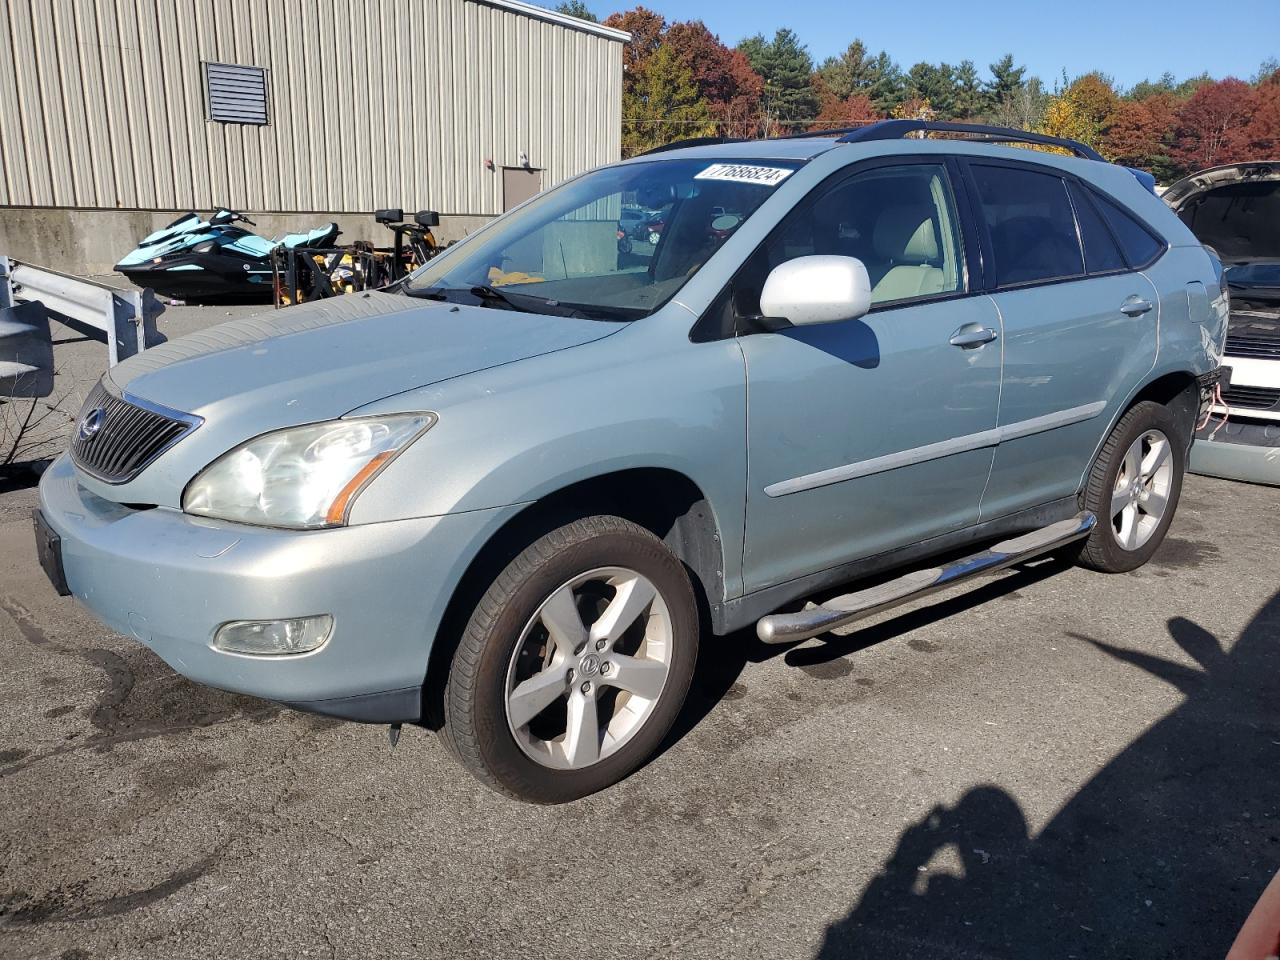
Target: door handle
point(972, 335)
point(1136, 307)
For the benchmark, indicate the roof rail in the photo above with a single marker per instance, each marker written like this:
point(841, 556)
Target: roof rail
point(813, 134)
point(897, 129)
point(690, 142)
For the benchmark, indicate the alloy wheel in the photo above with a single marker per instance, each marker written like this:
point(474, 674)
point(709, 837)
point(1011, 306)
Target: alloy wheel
point(1140, 496)
point(589, 668)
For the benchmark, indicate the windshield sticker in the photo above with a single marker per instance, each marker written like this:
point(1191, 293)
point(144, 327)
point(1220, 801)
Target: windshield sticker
point(744, 173)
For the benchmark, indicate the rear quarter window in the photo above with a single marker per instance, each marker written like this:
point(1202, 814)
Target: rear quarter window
point(1139, 244)
point(1101, 251)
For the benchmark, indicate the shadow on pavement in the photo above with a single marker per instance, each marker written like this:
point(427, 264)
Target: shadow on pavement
point(1162, 854)
point(721, 660)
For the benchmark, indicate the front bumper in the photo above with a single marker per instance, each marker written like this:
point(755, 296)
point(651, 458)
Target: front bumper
point(1246, 450)
point(169, 580)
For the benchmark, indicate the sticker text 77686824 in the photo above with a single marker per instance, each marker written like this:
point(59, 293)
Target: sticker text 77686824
point(745, 173)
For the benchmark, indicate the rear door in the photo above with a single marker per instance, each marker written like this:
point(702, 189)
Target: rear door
point(1079, 321)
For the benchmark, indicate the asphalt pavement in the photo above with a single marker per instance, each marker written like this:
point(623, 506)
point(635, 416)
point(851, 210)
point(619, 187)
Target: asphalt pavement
point(1051, 763)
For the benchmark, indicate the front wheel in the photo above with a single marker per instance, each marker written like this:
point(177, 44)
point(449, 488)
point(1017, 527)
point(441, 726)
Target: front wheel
point(575, 663)
point(1133, 489)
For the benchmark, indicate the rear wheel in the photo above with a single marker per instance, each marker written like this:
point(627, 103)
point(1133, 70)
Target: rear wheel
point(575, 663)
point(1133, 489)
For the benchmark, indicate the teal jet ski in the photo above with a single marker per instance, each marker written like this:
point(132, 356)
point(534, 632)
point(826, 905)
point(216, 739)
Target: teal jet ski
point(213, 261)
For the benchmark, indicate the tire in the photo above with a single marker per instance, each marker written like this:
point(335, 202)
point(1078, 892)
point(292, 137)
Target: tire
point(530, 672)
point(1131, 522)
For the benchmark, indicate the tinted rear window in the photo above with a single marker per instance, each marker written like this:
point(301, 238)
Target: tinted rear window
point(1031, 224)
point(1101, 255)
point(1140, 246)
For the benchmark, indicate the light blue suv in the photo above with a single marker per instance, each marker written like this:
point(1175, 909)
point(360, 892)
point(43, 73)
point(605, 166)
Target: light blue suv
point(506, 498)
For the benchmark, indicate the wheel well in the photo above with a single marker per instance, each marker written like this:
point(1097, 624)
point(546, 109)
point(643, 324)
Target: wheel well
point(665, 502)
point(1180, 392)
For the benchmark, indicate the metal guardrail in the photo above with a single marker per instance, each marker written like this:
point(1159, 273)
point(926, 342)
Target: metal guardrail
point(126, 319)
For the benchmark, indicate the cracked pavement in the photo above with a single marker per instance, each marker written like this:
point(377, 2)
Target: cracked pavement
point(1050, 763)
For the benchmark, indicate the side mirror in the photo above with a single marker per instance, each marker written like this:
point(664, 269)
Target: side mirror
point(427, 218)
point(391, 215)
point(818, 289)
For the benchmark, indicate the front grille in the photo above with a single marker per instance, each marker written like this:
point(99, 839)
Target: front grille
point(1260, 347)
point(1251, 398)
point(128, 436)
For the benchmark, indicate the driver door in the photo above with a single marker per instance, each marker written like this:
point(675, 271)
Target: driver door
point(874, 433)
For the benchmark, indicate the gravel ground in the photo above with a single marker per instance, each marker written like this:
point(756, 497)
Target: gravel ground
point(1052, 763)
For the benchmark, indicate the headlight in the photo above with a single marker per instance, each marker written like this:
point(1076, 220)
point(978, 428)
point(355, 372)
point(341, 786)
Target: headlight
point(303, 476)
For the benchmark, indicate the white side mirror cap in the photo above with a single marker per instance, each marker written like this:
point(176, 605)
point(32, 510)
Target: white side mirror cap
point(818, 289)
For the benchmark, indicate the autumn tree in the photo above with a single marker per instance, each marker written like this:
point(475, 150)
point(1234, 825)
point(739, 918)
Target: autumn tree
point(724, 78)
point(1083, 110)
point(662, 105)
point(835, 112)
point(785, 66)
point(646, 29)
point(1140, 134)
point(1263, 131)
point(1212, 125)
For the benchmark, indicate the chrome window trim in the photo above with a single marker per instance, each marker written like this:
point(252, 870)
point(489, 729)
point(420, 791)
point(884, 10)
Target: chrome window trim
point(935, 451)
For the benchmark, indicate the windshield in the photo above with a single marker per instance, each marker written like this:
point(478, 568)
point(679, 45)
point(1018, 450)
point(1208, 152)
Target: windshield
point(614, 244)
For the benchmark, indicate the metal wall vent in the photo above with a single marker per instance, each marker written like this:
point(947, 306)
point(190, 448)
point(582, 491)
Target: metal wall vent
point(236, 94)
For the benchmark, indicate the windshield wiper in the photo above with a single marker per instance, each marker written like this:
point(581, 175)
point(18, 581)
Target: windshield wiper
point(490, 296)
point(427, 293)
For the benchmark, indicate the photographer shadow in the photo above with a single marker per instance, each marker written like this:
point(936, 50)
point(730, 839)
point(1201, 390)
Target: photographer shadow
point(1161, 854)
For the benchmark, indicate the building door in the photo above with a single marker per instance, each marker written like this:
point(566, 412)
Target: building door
point(518, 185)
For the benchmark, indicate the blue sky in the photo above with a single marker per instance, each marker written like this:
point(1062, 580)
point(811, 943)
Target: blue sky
point(1128, 39)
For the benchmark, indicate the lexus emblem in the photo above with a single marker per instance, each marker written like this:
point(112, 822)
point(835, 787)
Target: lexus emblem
point(91, 423)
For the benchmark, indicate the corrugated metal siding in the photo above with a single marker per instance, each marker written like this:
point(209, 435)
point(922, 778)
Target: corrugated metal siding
point(372, 103)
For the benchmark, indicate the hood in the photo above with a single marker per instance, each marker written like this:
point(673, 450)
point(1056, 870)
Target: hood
point(1235, 209)
point(320, 360)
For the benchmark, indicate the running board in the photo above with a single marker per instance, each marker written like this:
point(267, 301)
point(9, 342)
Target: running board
point(844, 610)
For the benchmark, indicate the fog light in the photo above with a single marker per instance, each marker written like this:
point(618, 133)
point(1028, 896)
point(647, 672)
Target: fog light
point(274, 637)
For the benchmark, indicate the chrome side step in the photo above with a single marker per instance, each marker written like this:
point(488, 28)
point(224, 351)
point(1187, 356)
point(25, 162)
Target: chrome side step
point(844, 610)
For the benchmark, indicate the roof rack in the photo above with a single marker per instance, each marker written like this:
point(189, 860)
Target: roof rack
point(813, 134)
point(690, 142)
point(897, 129)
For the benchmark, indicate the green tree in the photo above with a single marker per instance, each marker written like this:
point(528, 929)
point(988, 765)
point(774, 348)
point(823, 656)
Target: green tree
point(1144, 89)
point(857, 73)
point(785, 66)
point(576, 8)
point(1006, 81)
point(662, 105)
point(971, 99)
point(935, 85)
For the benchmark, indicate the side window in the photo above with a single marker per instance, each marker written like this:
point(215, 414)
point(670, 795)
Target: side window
point(1139, 246)
point(1101, 254)
point(900, 221)
point(1030, 221)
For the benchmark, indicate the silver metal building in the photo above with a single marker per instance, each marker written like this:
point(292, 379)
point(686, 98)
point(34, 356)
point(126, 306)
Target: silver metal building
point(116, 117)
